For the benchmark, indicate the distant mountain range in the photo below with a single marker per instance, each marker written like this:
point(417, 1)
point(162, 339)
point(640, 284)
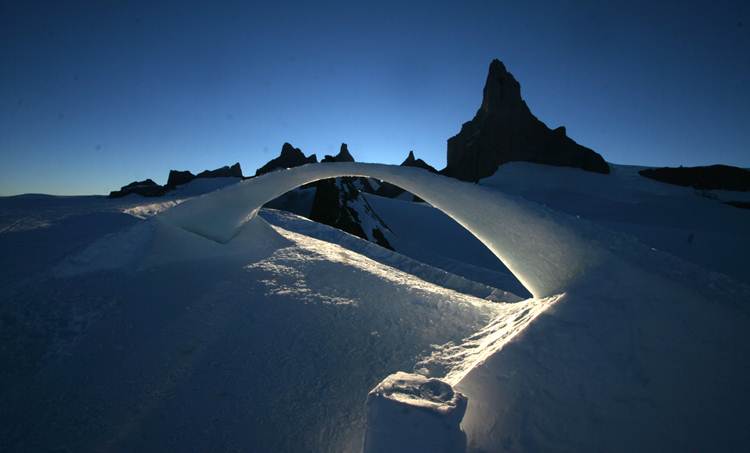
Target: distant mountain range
point(503, 130)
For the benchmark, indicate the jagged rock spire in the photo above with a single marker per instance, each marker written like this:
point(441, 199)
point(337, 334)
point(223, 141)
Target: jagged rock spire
point(288, 158)
point(412, 161)
point(504, 130)
point(342, 156)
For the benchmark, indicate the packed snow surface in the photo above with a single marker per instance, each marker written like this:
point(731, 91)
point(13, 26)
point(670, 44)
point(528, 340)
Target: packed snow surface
point(425, 270)
point(122, 330)
point(691, 224)
point(410, 412)
point(160, 339)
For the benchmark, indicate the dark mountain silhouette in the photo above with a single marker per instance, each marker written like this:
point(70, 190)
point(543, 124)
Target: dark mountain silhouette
point(335, 202)
point(146, 188)
point(712, 177)
point(342, 156)
point(178, 177)
point(411, 161)
point(505, 130)
point(339, 203)
point(389, 190)
point(289, 157)
point(235, 171)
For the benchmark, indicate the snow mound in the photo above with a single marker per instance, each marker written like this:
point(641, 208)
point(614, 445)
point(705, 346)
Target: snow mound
point(409, 412)
point(419, 391)
point(203, 345)
point(694, 225)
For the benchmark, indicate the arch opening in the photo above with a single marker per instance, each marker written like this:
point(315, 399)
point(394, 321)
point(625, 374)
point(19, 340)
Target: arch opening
point(429, 243)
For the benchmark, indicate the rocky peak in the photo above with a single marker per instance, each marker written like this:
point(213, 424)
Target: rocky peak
point(505, 130)
point(502, 92)
point(342, 156)
point(338, 202)
point(234, 171)
point(387, 189)
point(177, 178)
point(146, 188)
point(288, 158)
point(412, 161)
point(290, 152)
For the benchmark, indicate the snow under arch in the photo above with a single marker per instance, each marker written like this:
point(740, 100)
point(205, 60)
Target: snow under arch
point(541, 249)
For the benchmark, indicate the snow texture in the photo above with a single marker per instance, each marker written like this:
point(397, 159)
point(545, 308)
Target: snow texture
point(424, 271)
point(124, 331)
point(180, 343)
point(409, 412)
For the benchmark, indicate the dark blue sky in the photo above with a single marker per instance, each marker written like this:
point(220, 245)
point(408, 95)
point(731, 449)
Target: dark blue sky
point(95, 95)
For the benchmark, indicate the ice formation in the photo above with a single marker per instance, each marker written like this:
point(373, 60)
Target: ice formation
point(541, 250)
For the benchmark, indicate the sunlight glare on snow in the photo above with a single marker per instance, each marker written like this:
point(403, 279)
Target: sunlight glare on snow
point(450, 361)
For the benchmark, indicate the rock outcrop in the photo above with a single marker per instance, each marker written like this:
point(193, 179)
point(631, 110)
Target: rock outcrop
point(289, 157)
point(339, 203)
point(335, 202)
point(178, 178)
point(411, 161)
point(298, 201)
point(342, 156)
point(235, 171)
point(712, 177)
point(146, 188)
point(505, 130)
point(391, 191)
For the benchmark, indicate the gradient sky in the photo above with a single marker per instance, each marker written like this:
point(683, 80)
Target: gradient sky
point(96, 94)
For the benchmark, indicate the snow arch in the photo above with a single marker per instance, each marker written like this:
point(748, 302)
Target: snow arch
point(540, 247)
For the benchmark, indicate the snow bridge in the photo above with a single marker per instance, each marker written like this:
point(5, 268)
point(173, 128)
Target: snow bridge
point(539, 247)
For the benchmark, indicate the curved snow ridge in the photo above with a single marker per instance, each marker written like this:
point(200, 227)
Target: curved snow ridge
point(539, 246)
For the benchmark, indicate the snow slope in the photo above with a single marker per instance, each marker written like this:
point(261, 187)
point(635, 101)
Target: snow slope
point(605, 361)
point(385, 256)
point(424, 233)
point(682, 221)
point(182, 343)
point(126, 332)
point(653, 354)
point(650, 351)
